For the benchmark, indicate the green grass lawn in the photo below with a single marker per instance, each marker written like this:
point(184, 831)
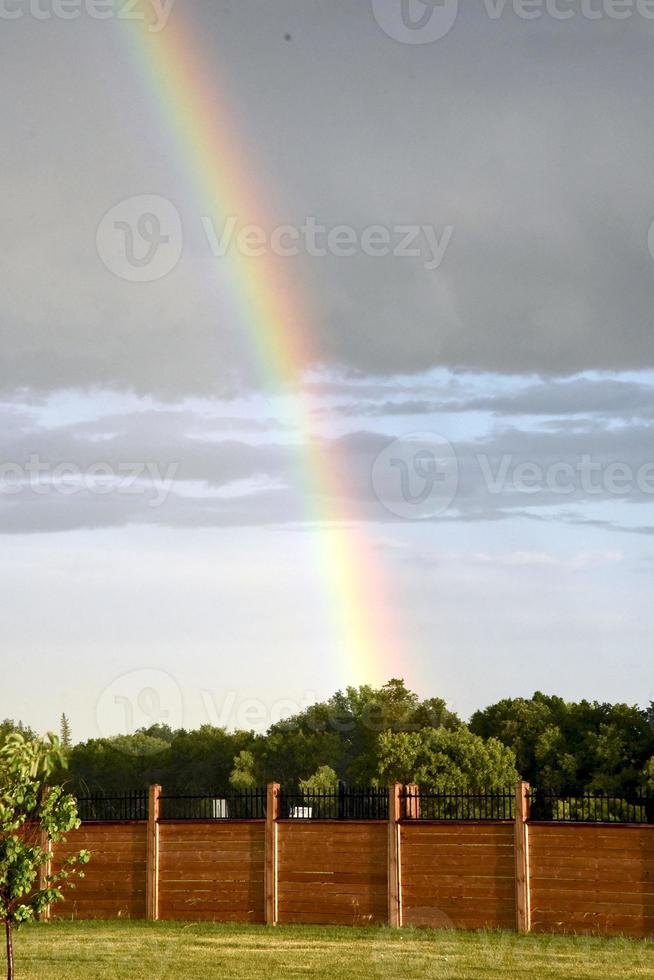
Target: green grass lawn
point(165, 951)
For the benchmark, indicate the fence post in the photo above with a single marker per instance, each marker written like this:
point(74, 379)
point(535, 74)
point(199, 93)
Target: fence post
point(45, 869)
point(394, 856)
point(523, 897)
point(413, 801)
point(152, 867)
point(271, 853)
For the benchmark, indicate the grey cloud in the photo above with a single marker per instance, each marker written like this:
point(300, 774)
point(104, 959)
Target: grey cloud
point(191, 441)
point(86, 511)
point(532, 139)
point(607, 398)
point(220, 481)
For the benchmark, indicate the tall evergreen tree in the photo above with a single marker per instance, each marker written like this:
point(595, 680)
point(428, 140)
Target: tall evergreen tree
point(66, 736)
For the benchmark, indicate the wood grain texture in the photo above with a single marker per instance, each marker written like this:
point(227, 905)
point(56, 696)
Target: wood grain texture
point(460, 875)
point(114, 883)
point(333, 872)
point(521, 842)
point(212, 872)
point(152, 855)
point(271, 856)
point(592, 879)
point(394, 861)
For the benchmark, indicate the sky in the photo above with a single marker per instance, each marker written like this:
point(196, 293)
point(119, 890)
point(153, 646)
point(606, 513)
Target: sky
point(457, 201)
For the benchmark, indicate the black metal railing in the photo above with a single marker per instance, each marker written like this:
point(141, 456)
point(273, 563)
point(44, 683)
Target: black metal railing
point(247, 805)
point(344, 803)
point(120, 806)
point(371, 803)
point(598, 807)
point(458, 805)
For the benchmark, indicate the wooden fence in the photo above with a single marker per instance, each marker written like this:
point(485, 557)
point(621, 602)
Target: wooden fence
point(403, 869)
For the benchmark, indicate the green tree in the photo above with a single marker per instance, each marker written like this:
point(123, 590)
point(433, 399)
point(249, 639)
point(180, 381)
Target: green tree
point(162, 732)
point(556, 766)
point(289, 756)
point(439, 759)
point(572, 746)
point(111, 765)
point(324, 780)
point(8, 726)
point(202, 761)
point(195, 762)
point(518, 723)
point(30, 813)
point(65, 733)
point(242, 776)
point(354, 718)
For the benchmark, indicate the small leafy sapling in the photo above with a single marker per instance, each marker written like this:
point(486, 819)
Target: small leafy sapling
point(33, 816)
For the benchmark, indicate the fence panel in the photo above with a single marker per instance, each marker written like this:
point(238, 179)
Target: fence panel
point(114, 880)
point(333, 872)
point(211, 870)
point(592, 879)
point(458, 875)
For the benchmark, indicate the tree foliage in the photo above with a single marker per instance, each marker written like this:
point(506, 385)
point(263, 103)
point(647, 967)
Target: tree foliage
point(572, 746)
point(323, 780)
point(346, 728)
point(31, 817)
point(9, 726)
point(65, 733)
point(563, 746)
point(242, 776)
point(439, 759)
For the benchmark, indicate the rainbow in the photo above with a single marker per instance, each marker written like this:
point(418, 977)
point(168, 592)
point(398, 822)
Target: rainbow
point(355, 590)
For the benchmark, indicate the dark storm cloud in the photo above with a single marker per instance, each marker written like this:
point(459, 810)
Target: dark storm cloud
point(532, 139)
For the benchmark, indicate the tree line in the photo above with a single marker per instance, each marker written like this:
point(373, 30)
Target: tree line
point(376, 736)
